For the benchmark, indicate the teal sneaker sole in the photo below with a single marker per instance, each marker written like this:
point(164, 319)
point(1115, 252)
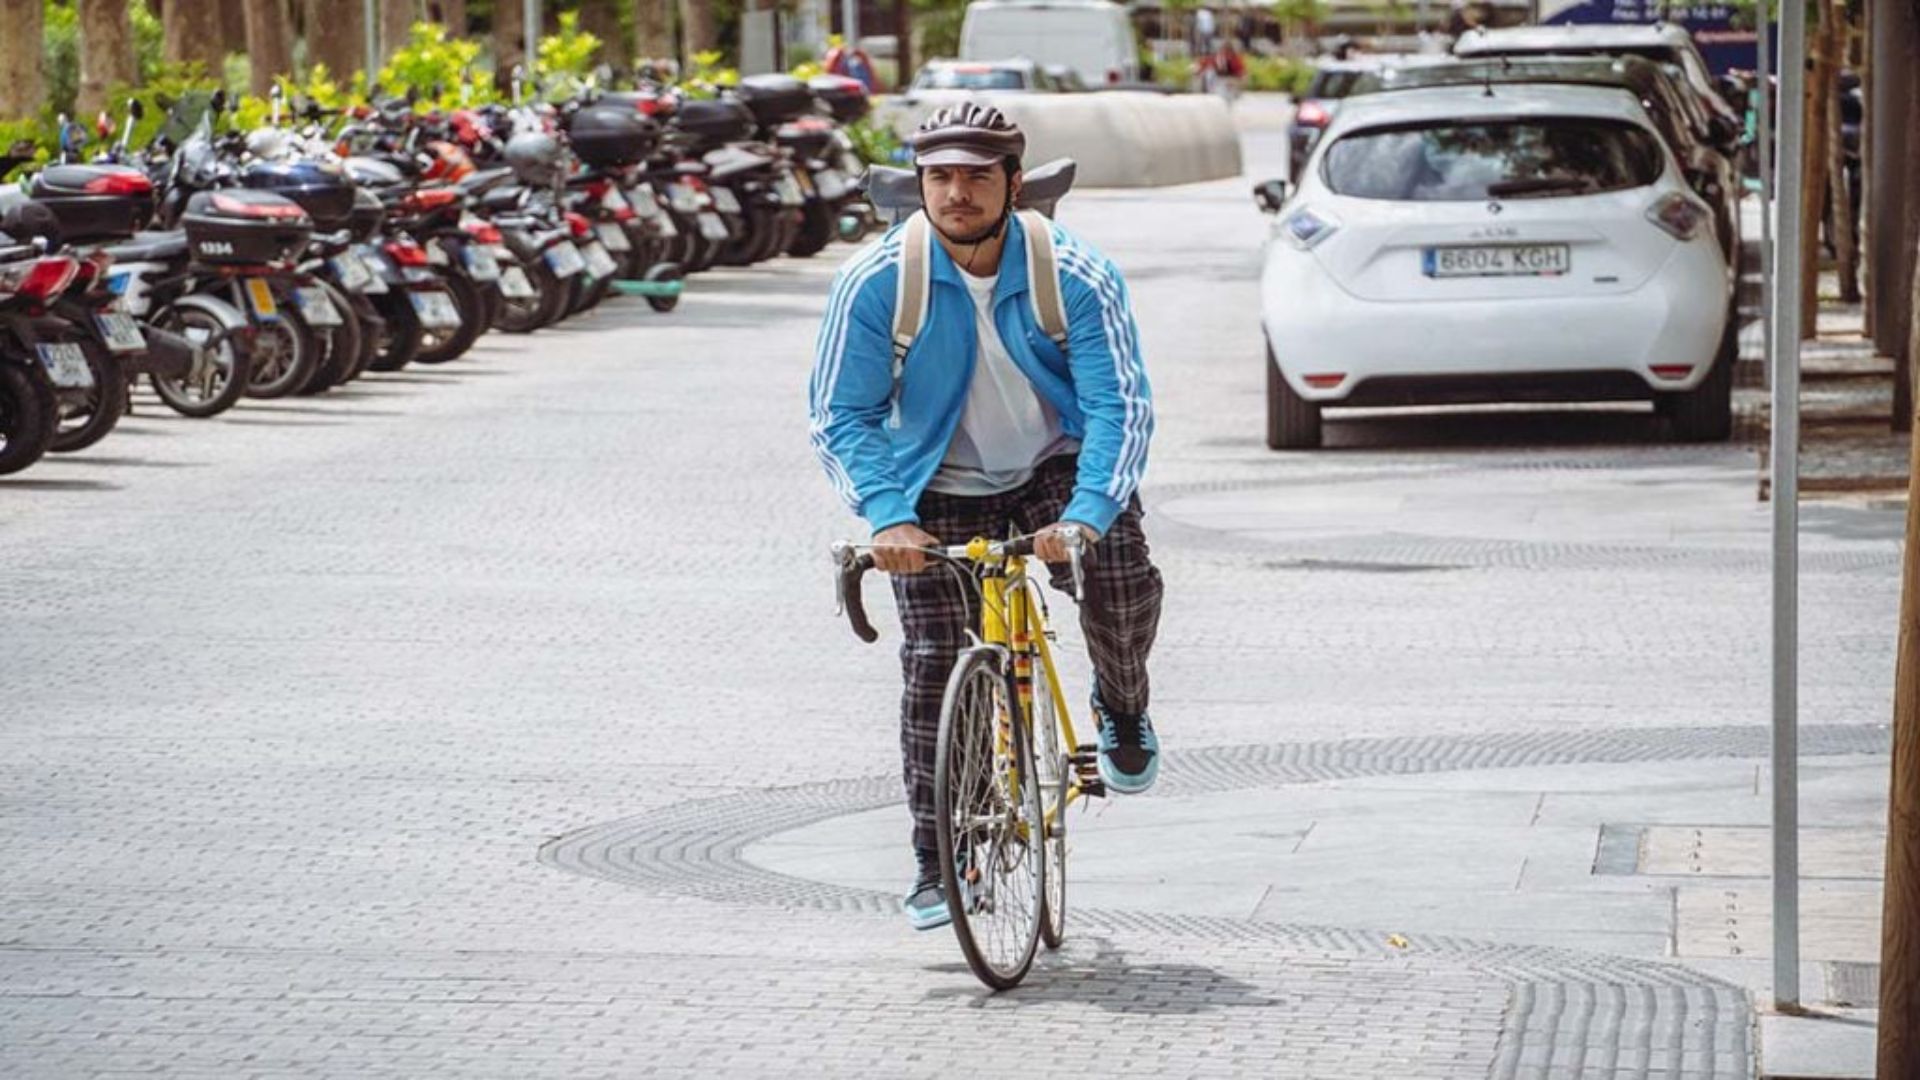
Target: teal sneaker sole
point(928, 918)
point(1129, 783)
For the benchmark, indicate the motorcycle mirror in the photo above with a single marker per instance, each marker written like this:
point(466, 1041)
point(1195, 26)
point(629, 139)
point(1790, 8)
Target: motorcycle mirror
point(135, 109)
point(218, 103)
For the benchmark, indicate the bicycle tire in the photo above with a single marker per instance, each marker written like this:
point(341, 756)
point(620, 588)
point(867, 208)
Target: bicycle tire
point(1054, 767)
point(992, 872)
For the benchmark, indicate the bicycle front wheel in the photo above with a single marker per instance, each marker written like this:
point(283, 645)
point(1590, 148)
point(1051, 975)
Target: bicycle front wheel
point(987, 799)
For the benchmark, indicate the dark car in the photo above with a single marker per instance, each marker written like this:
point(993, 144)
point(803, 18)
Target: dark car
point(1332, 81)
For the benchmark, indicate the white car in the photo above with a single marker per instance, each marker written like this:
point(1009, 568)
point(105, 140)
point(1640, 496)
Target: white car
point(1520, 242)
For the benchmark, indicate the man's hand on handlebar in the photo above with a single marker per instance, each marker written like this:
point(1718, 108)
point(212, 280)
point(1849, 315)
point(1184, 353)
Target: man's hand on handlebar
point(1050, 543)
point(899, 549)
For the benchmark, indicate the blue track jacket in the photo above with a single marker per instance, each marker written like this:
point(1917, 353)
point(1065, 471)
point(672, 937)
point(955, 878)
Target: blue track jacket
point(882, 444)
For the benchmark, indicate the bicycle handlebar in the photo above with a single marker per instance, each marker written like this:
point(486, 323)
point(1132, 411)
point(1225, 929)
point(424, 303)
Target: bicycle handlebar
point(852, 564)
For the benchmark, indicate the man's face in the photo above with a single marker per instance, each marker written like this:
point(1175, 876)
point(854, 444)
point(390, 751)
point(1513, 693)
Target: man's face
point(966, 201)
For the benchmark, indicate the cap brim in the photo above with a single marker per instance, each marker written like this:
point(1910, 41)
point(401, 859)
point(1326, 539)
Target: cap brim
point(957, 155)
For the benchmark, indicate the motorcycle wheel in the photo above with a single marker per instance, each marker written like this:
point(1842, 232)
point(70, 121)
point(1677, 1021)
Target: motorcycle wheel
point(87, 417)
point(29, 414)
point(402, 340)
point(220, 374)
point(285, 353)
point(440, 346)
point(817, 224)
point(525, 314)
point(339, 346)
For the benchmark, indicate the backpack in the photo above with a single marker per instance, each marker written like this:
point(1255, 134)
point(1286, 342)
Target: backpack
point(914, 291)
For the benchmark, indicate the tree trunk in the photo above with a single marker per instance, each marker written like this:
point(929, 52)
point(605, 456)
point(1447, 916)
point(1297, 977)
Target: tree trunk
point(451, 14)
point(601, 18)
point(21, 86)
point(1867, 122)
point(233, 24)
point(653, 29)
point(509, 40)
point(106, 53)
point(336, 37)
point(903, 43)
point(696, 26)
point(396, 19)
point(192, 35)
point(269, 45)
point(1846, 234)
point(1813, 171)
point(1898, 1038)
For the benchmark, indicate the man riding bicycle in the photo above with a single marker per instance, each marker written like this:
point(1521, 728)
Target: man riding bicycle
point(982, 423)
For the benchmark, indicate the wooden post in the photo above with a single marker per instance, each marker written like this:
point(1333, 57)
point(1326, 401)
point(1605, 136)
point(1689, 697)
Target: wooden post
point(903, 47)
point(1899, 1034)
point(1813, 164)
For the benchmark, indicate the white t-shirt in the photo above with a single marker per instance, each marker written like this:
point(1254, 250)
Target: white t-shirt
point(1006, 428)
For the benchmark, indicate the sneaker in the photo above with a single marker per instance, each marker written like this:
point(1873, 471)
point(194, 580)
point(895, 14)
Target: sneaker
point(1129, 751)
point(926, 902)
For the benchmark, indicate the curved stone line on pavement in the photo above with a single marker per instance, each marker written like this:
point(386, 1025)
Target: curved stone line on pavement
point(1605, 1015)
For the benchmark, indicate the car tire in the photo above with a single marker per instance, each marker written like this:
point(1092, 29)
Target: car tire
point(1705, 413)
point(1293, 422)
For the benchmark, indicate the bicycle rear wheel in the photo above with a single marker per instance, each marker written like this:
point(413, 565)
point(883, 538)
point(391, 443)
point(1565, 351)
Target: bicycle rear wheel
point(987, 800)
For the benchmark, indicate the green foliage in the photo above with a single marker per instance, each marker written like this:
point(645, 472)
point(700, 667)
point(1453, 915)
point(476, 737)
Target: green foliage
point(937, 24)
point(706, 75)
point(149, 40)
point(39, 136)
point(1174, 71)
point(1300, 15)
point(569, 52)
point(60, 65)
point(1278, 74)
point(437, 68)
point(876, 144)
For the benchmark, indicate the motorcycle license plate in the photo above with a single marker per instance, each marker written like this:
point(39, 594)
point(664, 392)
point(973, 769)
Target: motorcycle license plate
point(613, 200)
point(663, 226)
point(564, 260)
point(316, 306)
point(789, 190)
point(683, 197)
point(66, 365)
point(351, 272)
point(830, 184)
point(437, 255)
point(711, 226)
point(260, 298)
point(120, 332)
point(644, 201)
point(724, 200)
point(615, 237)
point(436, 310)
point(599, 263)
point(514, 283)
point(481, 265)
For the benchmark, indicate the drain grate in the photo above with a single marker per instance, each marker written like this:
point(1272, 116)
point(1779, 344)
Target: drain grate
point(1853, 983)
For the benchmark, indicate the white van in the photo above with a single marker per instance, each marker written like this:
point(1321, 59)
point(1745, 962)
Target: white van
point(1093, 37)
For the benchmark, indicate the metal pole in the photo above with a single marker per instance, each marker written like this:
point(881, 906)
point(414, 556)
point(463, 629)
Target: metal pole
point(850, 22)
point(1785, 463)
point(530, 11)
point(368, 16)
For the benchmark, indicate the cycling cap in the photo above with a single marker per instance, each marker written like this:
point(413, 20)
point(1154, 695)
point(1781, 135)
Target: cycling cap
point(967, 134)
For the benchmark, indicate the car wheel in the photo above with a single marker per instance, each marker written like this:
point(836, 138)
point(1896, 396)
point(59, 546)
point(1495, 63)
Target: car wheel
point(1705, 413)
point(1293, 422)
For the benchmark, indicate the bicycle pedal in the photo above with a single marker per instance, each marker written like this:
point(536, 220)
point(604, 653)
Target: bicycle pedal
point(1093, 787)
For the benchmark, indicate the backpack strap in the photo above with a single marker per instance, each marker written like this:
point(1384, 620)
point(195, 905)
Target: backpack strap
point(1043, 277)
point(914, 289)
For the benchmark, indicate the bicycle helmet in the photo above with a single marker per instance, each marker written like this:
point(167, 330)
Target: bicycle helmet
point(966, 134)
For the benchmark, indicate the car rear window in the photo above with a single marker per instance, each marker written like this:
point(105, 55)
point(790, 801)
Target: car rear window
point(970, 79)
point(1458, 161)
point(1332, 85)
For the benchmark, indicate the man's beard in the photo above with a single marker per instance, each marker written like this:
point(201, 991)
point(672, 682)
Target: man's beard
point(985, 234)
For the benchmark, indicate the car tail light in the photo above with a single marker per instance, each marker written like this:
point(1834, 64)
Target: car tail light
point(483, 232)
point(1678, 215)
point(407, 254)
point(429, 199)
point(1307, 229)
point(287, 211)
point(1673, 372)
point(41, 279)
point(1326, 382)
point(579, 224)
point(1312, 114)
point(127, 183)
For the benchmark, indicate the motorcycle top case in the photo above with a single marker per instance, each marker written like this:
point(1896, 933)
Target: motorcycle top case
point(237, 225)
point(324, 191)
point(95, 202)
point(608, 135)
point(845, 98)
point(774, 99)
point(715, 121)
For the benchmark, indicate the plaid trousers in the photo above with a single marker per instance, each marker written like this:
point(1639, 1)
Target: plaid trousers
point(937, 609)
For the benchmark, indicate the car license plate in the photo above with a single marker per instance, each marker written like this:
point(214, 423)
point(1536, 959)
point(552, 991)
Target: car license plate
point(352, 273)
point(614, 236)
point(436, 310)
point(260, 298)
point(481, 265)
point(789, 190)
point(599, 263)
point(830, 184)
point(724, 200)
point(711, 226)
point(120, 332)
point(514, 283)
point(316, 306)
point(564, 260)
point(67, 366)
point(683, 197)
point(1498, 260)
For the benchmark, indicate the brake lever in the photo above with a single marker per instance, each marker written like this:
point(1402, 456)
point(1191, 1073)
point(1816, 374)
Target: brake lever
point(1076, 549)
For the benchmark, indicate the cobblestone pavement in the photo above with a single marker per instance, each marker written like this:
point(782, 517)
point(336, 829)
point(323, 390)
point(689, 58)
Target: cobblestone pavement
point(303, 707)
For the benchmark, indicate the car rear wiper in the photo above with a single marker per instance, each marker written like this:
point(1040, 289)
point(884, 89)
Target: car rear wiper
point(1540, 185)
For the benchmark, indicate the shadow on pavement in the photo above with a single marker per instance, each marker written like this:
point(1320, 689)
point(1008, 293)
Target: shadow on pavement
point(1108, 982)
point(1465, 430)
point(60, 485)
